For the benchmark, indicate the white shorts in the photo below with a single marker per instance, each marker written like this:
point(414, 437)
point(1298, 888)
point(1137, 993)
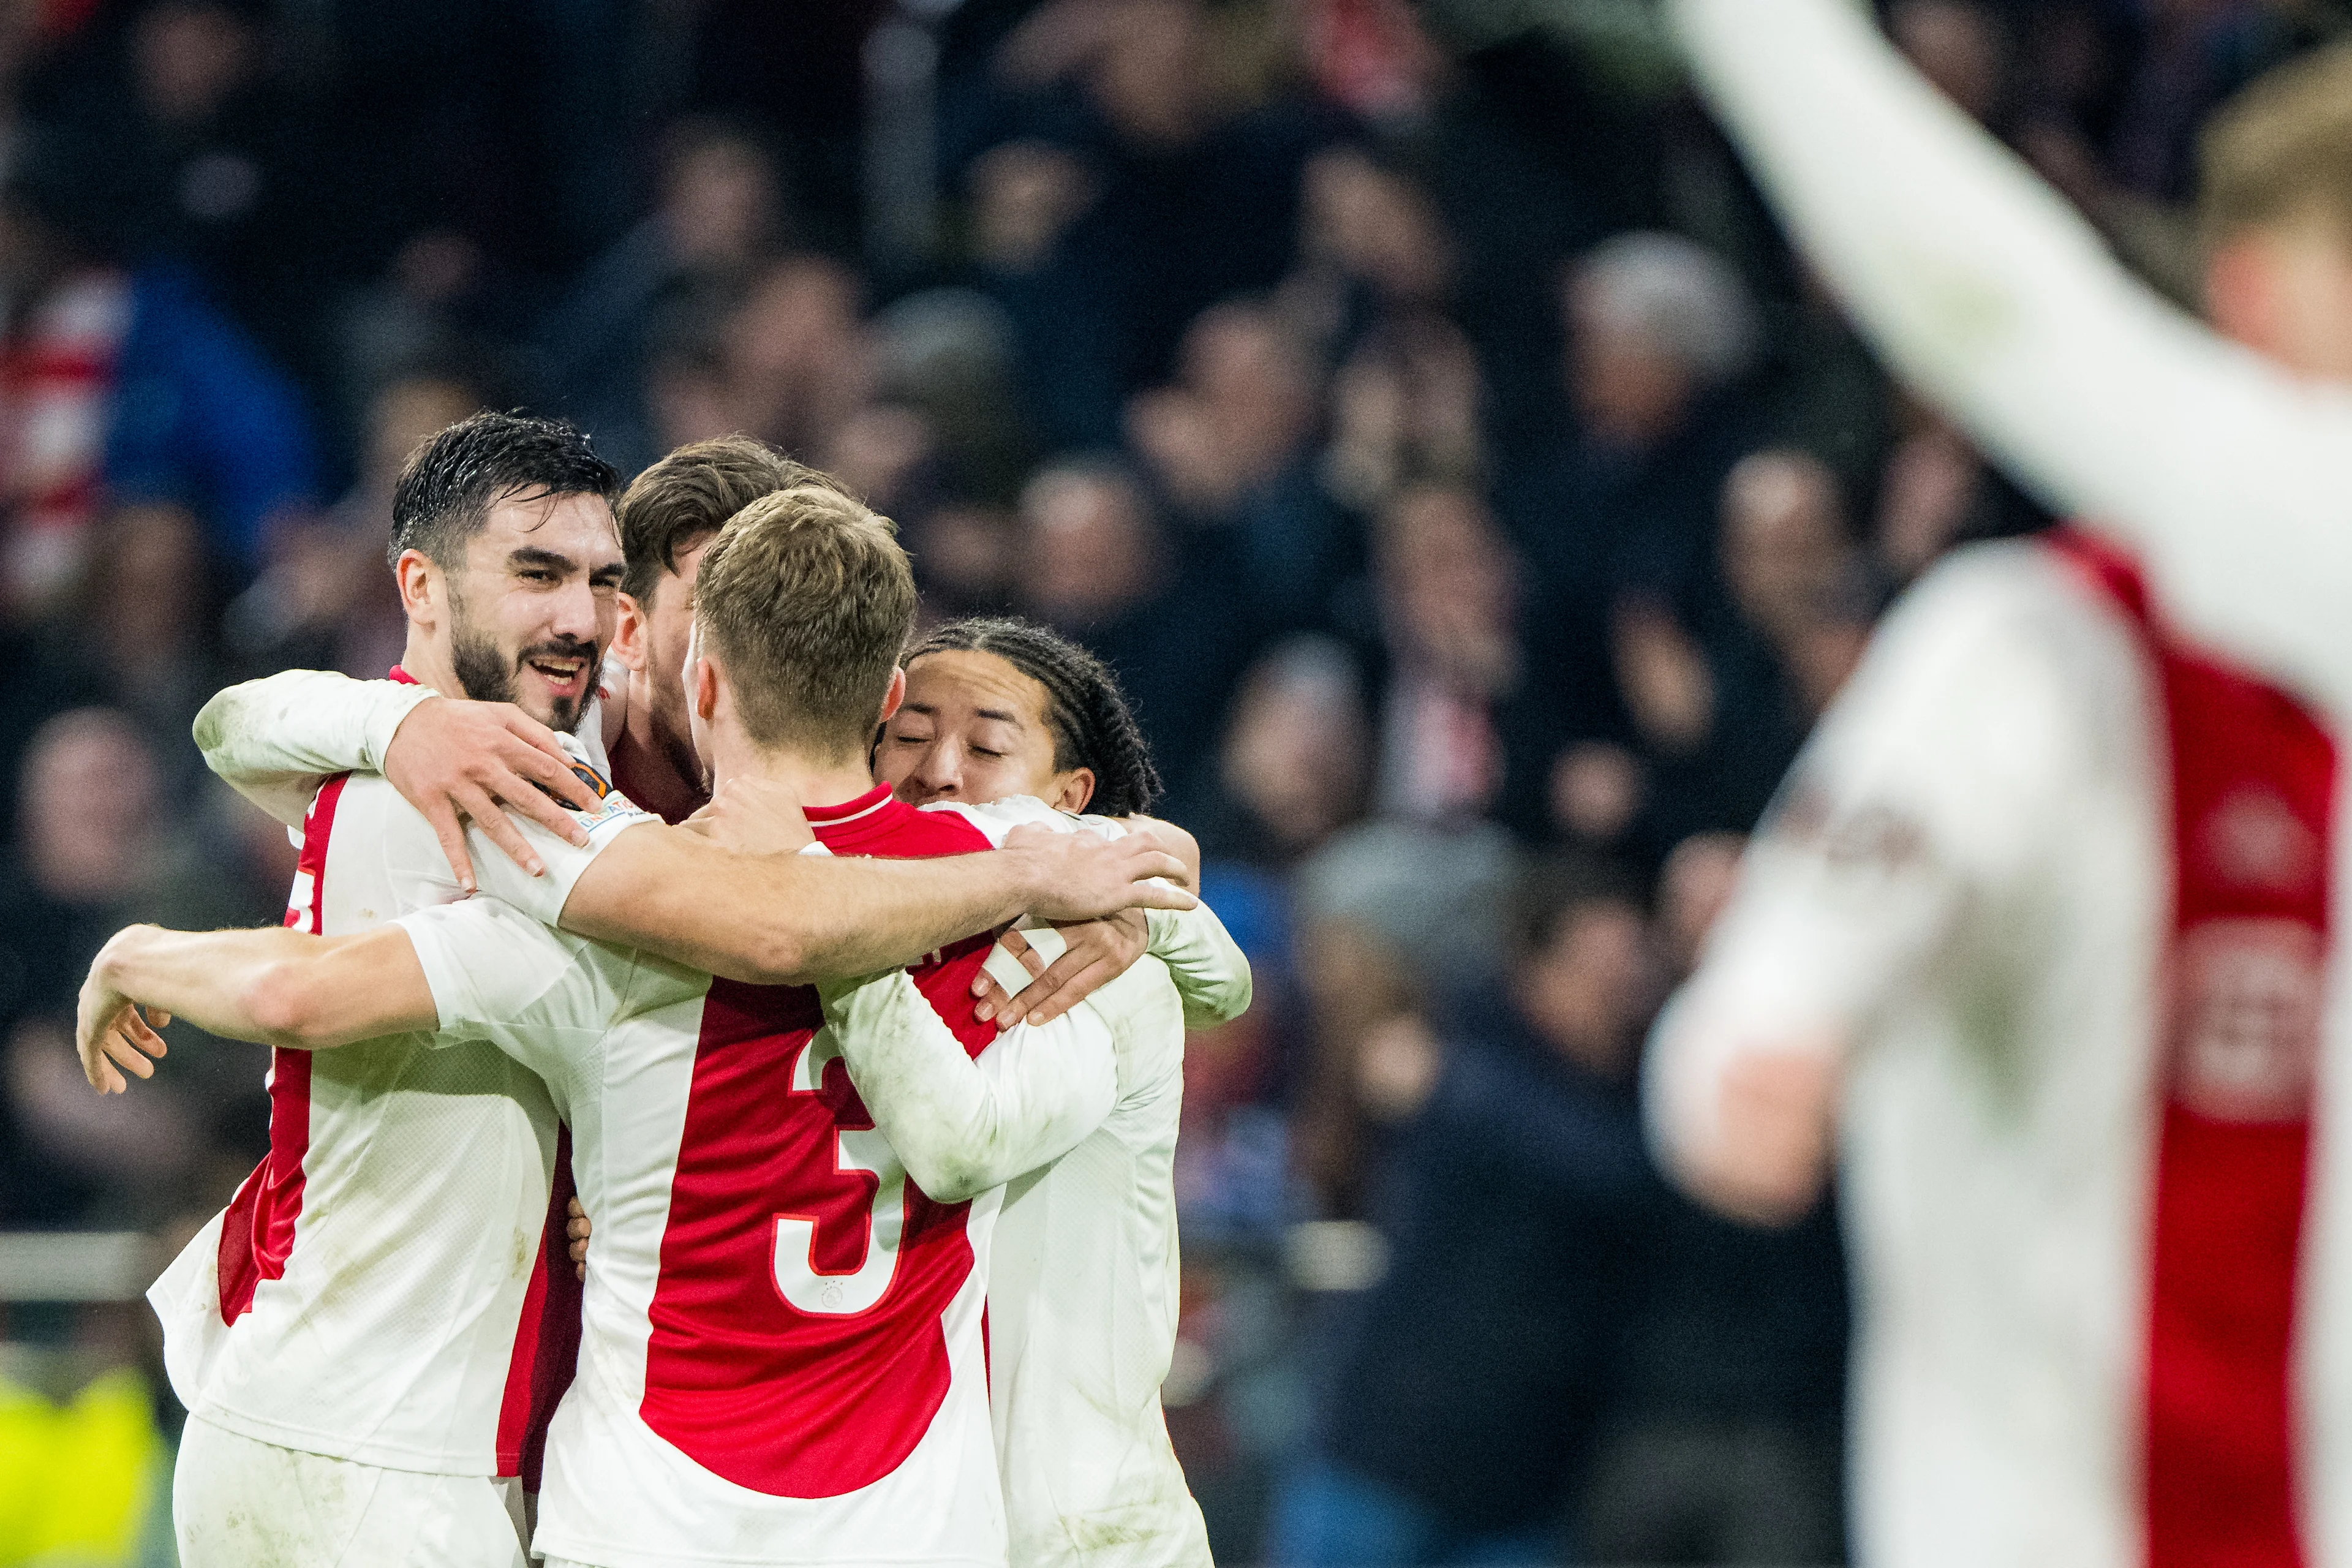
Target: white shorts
point(237, 1502)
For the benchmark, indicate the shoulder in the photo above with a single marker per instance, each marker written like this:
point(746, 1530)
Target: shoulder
point(997, 818)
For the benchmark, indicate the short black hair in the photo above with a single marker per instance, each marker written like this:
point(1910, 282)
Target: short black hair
point(1093, 725)
point(450, 484)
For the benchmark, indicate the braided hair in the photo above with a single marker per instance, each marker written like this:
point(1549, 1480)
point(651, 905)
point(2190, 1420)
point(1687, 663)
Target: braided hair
point(1093, 726)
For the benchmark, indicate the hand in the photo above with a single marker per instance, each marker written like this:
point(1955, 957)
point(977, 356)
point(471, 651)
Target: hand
point(109, 1034)
point(1777, 1110)
point(577, 1228)
point(1099, 951)
point(453, 759)
point(1083, 877)
point(754, 816)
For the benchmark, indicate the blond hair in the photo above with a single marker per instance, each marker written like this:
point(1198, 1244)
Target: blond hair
point(2281, 150)
point(806, 600)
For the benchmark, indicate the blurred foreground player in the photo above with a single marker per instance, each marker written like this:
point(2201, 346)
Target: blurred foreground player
point(2044, 918)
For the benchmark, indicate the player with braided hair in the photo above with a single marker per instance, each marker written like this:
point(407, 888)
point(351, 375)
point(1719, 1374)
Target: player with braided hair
point(1094, 730)
point(1082, 1302)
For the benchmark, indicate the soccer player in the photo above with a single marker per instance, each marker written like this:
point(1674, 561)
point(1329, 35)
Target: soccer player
point(782, 1357)
point(338, 1380)
point(1082, 1294)
point(2040, 929)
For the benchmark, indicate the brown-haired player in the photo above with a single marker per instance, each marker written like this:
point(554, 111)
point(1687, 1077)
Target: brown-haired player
point(2041, 935)
point(782, 1358)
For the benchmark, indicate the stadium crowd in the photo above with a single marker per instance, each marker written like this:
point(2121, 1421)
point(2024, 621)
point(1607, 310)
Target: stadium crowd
point(1426, 421)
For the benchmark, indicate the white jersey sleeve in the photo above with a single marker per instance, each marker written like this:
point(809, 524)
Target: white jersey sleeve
point(1210, 972)
point(2232, 478)
point(276, 740)
point(543, 897)
point(962, 1124)
point(497, 974)
point(1938, 779)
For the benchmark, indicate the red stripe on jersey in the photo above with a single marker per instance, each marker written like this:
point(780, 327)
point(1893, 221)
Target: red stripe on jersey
point(259, 1231)
point(786, 1401)
point(2253, 789)
point(547, 1339)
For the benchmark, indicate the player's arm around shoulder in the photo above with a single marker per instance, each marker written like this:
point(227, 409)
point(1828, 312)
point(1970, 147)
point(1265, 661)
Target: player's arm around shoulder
point(273, 986)
point(963, 1125)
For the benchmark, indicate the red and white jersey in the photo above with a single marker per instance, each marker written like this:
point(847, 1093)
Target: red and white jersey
point(783, 1357)
point(2066, 884)
point(371, 1292)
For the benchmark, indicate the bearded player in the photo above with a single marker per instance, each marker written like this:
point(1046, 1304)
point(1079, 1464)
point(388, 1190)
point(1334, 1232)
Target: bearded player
point(2041, 933)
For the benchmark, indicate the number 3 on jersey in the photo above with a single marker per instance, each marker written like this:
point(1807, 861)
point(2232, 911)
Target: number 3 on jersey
point(856, 1152)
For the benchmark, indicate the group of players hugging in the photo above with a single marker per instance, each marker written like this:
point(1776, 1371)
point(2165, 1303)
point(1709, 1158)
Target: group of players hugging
point(852, 1050)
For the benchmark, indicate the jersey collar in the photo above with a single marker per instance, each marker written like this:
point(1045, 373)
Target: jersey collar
point(865, 805)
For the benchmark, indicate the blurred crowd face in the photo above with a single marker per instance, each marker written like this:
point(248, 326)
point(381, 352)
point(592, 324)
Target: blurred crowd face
point(1924, 495)
point(89, 795)
point(406, 414)
point(1589, 989)
point(188, 57)
point(1694, 888)
point(531, 611)
point(1958, 47)
point(2285, 289)
point(1448, 588)
point(1151, 81)
point(719, 202)
point(1630, 390)
point(1377, 226)
point(1298, 751)
point(974, 728)
point(148, 565)
point(1088, 551)
point(1244, 403)
point(799, 360)
point(1784, 545)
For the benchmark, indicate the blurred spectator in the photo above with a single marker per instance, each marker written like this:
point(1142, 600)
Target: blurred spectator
point(1093, 567)
point(716, 221)
point(325, 600)
point(147, 617)
point(212, 162)
point(103, 845)
point(1227, 443)
point(1661, 336)
point(1295, 762)
point(1447, 591)
point(1959, 46)
point(1724, 1438)
point(1466, 1388)
point(1127, 133)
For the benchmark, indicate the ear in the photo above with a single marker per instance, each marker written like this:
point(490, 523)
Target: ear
point(1076, 787)
point(629, 634)
point(422, 590)
point(895, 696)
point(702, 682)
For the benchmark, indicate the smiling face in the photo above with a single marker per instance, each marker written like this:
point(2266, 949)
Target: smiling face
point(974, 728)
point(531, 609)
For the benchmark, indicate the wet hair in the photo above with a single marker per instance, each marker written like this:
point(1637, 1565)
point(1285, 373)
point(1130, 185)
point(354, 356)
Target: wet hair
point(1093, 726)
point(450, 484)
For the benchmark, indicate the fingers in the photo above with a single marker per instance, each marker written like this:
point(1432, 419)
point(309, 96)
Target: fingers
point(1072, 978)
point(992, 998)
point(539, 776)
point(1161, 896)
point(473, 803)
point(573, 1213)
point(451, 834)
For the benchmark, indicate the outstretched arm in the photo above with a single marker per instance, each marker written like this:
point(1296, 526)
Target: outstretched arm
point(1995, 297)
point(276, 740)
point(273, 986)
point(962, 1125)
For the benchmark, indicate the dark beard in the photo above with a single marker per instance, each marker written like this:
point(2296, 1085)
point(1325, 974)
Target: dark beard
point(489, 676)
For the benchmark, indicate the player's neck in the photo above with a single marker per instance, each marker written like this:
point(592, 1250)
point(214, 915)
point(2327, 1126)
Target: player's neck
point(656, 779)
point(813, 781)
point(430, 666)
